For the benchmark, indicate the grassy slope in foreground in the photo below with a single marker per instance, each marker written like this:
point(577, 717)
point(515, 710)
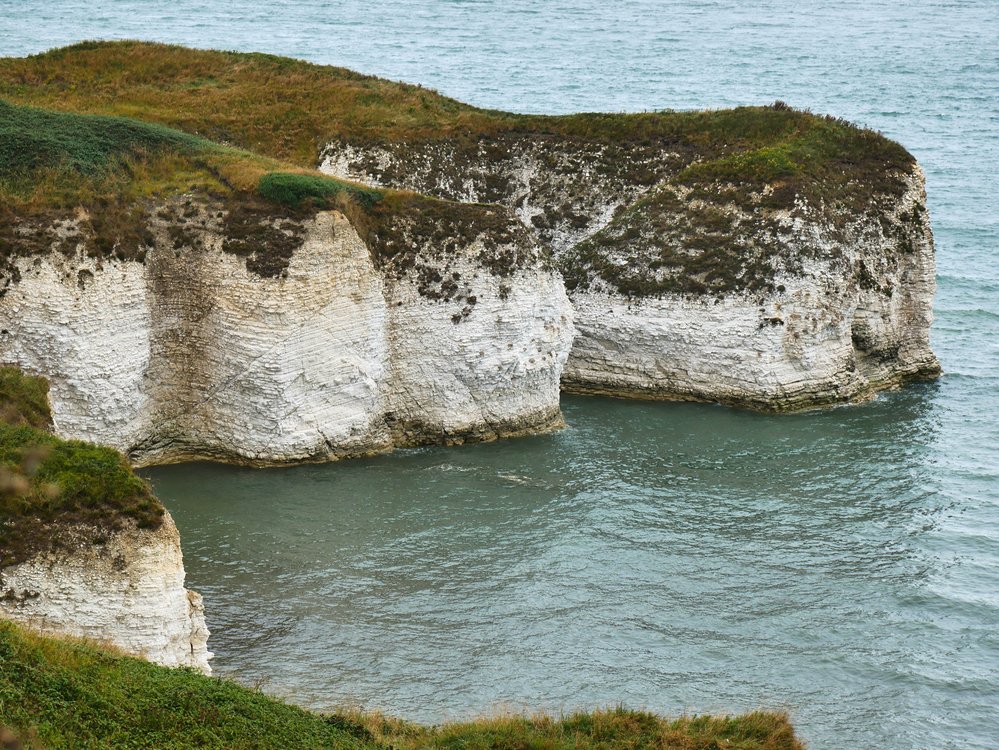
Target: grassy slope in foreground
point(63, 694)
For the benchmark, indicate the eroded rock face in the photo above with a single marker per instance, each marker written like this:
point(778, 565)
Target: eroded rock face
point(848, 316)
point(715, 293)
point(126, 589)
point(564, 189)
point(266, 340)
point(482, 367)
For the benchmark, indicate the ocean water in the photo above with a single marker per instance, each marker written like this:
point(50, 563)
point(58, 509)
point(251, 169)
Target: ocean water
point(841, 565)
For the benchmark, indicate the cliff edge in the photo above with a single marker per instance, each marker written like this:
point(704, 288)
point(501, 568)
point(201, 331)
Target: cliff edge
point(189, 300)
point(759, 256)
point(86, 550)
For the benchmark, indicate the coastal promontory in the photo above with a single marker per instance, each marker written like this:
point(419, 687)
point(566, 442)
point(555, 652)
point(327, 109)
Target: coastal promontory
point(258, 260)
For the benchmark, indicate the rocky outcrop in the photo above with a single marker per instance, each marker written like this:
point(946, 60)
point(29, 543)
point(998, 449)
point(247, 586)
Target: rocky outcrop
point(703, 289)
point(564, 188)
point(125, 588)
point(801, 239)
point(251, 335)
point(837, 310)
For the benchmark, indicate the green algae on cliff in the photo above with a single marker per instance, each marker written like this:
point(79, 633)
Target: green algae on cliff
point(61, 694)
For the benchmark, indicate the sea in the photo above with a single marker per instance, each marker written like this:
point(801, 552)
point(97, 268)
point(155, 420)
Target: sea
point(840, 565)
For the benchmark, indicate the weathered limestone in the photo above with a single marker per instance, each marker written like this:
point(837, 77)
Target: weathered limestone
point(194, 353)
point(851, 318)
point(493, 374)
point(126, 589)
point(828, 305)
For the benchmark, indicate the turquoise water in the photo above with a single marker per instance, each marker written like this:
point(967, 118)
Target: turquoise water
point(841, 565)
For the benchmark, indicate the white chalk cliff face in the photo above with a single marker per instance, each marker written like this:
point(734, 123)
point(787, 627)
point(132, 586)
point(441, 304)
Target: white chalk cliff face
point(850, 318)
point(197, 353)
point(493, 373)
point(796, 308)
point(127, 590)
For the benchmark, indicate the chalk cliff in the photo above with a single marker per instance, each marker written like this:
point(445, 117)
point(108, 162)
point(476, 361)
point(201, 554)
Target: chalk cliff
point(701, 286)
point(127, 590)
point(252, 335)
point(85, 548)
point(758, 256)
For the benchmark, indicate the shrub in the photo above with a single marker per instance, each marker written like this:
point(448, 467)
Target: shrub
point(293, 189)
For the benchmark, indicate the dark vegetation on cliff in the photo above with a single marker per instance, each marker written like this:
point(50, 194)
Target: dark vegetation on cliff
point(50, 488)
point(59, 694)
point(69, 180)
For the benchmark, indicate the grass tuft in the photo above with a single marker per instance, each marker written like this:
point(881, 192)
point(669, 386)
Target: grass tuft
point(33, 139)
point(66, 694)
point(293, 189)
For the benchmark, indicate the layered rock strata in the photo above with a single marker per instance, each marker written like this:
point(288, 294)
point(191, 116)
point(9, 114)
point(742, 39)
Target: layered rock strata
point(717, 292)
point(240, 335)
point(125, 588)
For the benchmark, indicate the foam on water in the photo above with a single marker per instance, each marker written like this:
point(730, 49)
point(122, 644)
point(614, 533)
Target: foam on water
point(844, 565)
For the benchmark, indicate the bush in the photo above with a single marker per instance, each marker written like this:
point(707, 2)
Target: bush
point(294, 189)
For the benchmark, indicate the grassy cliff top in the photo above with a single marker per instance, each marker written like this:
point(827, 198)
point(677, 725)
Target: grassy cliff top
point(52, 163)
point(59, 694)
point(63, 159)
point(48, 485)
point(288, 109)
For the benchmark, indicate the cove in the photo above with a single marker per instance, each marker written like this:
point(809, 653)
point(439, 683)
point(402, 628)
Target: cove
point(668, 556)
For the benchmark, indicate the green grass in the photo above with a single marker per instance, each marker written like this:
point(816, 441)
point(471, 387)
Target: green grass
point(32, 139)
point(58, 694)
point(296, 189)
point(289, 109)
point(24, 400)
point(62, 159)
point(120, 170)
point(48, 485)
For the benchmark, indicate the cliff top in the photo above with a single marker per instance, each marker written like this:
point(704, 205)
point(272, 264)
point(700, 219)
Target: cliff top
point(57, 159)
point(66, 694)
point(130, 121)
point(48, 485)
point(54, 163)
point(288, 109)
